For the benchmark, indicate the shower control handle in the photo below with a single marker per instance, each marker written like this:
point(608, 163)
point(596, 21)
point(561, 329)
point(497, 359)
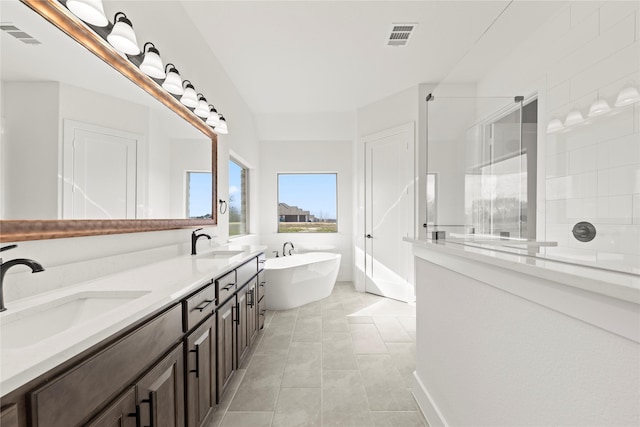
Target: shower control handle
point(369, 236)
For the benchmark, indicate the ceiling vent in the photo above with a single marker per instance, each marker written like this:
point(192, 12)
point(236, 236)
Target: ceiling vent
point(19, 34)
point(400, 34)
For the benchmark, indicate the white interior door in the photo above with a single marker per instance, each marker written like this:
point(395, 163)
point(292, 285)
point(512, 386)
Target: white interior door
point(100, 174)
point(389, 213)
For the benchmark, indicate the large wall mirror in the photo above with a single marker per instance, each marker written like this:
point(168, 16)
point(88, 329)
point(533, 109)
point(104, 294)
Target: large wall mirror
point(86, 150)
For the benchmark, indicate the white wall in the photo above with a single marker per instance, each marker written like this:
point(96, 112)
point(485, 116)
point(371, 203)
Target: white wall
point(588, 50)
point(307, 156)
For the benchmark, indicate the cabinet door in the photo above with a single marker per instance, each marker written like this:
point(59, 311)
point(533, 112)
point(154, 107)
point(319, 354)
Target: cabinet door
point(121, 413)
point(9, 416)
point(252, 311)
point(160, 393)
point(201, 372)
point(241, 320)
point(226, 345)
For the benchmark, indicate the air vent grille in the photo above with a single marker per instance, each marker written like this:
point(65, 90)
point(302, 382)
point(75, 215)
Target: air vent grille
point(19, 34)
point(400, 34)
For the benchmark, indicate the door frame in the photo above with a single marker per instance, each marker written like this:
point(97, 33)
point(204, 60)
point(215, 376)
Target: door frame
point(412, 162)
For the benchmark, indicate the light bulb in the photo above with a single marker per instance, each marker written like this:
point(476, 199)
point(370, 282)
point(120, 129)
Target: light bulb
point(152, 64)
point(189, 97)
point(573, 118)
point(202, 109)
point(214, 119)
point(90, 11)
point(554, 125)
point(122, 36)
point(627, 96)
point(221, 129)
point(173, 82)
point(599, 107)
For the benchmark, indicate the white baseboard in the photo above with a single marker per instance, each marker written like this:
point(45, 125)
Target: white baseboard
point(426, 404)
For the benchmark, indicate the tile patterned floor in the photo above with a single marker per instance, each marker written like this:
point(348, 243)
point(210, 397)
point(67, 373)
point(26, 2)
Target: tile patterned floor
point(344, 361)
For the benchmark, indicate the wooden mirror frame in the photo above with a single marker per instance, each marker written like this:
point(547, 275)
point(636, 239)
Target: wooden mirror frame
point(22, 230)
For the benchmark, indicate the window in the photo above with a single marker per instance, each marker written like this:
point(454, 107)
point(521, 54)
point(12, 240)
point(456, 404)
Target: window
point(238, 192)
point(431, 199)
point(307, 203)
point(199, 195)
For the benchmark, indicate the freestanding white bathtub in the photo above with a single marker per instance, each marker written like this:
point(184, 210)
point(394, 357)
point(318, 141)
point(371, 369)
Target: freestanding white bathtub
point(299, 279)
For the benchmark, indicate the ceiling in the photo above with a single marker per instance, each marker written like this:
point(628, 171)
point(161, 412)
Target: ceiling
point(332, 56)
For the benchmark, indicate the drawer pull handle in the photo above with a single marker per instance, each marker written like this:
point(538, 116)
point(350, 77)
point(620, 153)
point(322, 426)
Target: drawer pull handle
point(262, 261)
point(263, 283)
point(229, 286)
point(136, 415)
point(237, 314)
point(252, 301)
point(262, 312)
point(203, 305)
point(197, 370)
point(150, 401)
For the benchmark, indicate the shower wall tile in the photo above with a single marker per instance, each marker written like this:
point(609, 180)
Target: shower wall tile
point(582, 9)
point(612, 12)
point(615, 210)
point(604, 72)
point(618, 239)
point(619, 151)
point(619, 181)
point(559, 95)
point(583, 160)
point(582, 209)
point(636, 209)
point(558, 233)
point(556, 212)
point(557, 165)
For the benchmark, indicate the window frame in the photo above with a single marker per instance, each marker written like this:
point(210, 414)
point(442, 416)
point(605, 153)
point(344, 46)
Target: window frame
point(245, 193)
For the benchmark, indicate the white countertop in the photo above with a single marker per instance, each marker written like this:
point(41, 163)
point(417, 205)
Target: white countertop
point(620, 285)
point(163, 284)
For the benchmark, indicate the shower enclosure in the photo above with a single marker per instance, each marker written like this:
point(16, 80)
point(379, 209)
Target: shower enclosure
point(497, 178)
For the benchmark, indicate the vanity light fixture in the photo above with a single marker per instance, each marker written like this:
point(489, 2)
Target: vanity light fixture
point(554, 125)
point(122, 36)
point(221, 129)
point(189, 97)
point(599, 107)
point(627, 96)
point(573, 118)
point(90, 11)
point(152, 64)
point(202, 109)
point(214, 119)
point(173, 82)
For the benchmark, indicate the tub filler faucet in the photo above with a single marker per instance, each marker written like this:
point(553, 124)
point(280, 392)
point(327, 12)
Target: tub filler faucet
point(4, 266)
point(194, 239)
point(284, 248)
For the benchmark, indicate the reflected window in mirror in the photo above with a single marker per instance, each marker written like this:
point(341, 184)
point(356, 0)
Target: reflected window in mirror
point(238, 196)
point(199, 195)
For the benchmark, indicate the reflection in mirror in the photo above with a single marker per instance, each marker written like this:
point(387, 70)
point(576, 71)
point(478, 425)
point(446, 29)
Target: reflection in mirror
point(80, 141)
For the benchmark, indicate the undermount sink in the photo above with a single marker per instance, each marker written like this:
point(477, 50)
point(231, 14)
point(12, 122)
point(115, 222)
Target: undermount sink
point(28, 326)
point(220, 253)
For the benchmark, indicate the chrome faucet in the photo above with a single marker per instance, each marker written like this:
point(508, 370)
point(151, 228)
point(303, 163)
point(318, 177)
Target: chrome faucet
point(284, 247)
point(194, 239)
point(4, 266)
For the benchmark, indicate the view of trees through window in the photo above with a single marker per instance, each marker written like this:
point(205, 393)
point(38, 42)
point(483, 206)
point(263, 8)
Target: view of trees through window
point(199, 195)
point(307, 203)
point(237, 199)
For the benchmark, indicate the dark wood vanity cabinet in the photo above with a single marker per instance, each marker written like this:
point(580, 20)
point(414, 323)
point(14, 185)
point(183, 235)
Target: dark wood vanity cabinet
point(201, 372)
point(226, 345)
point(9, 416)
point(169, 370)
point(160, 393)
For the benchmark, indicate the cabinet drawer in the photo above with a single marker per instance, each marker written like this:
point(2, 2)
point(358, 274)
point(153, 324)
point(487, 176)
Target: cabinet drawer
point(261, 260)
point(225, 287)
point(199, 306)
point(71, 398)
point(247, 271)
